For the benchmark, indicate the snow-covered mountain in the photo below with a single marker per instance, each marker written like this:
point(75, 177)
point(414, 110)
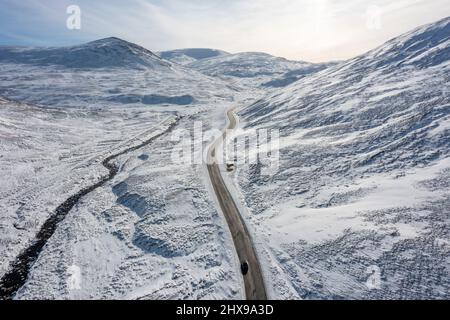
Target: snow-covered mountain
point(151, 231)
point(105, 53)
point(424, 47)
point(187, 56)
point(256, 69)
point(359, 207)
point(106, 71)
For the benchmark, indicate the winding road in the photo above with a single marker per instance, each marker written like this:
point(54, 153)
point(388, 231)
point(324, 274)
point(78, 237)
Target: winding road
point(253, 279)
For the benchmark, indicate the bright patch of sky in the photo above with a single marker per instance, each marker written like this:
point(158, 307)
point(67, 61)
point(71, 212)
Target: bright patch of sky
point(311, 30)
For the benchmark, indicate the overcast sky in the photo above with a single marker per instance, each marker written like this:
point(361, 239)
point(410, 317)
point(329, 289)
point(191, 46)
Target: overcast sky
point(312, 30)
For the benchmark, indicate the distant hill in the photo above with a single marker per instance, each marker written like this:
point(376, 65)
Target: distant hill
point(105, 53)
point(186, 56)
point(256, 68)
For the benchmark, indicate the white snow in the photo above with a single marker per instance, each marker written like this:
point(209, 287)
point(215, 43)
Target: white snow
point(363, 182)
point(363, 179)
point(152, 232)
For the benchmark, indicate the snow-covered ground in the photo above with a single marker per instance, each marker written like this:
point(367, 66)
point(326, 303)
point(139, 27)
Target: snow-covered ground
point(252, 70)
point(153, 232)
point(359, 207)
point(117, 73)
point(48, 154)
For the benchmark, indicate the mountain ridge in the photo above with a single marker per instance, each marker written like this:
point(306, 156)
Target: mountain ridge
point(189, 55)
point(111, 52)
point(362, 176)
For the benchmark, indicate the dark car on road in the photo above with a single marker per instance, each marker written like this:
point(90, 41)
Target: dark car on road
point(244, 268)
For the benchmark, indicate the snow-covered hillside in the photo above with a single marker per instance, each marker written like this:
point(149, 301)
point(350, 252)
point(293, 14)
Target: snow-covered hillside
point(256, 69)
point(152, 231)
point(104, 72)
point(187, 56)
point(104, 53)
point(359, 207)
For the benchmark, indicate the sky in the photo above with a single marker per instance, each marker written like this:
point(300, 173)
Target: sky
point(309, 30)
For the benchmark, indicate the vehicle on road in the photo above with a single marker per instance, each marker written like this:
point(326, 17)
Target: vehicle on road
point(230, 167)
point(244, 268)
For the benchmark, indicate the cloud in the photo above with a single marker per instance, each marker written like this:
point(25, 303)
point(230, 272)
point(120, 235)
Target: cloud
point(301, 29)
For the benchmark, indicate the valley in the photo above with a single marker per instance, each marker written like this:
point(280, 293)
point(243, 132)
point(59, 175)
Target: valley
point(94, 207)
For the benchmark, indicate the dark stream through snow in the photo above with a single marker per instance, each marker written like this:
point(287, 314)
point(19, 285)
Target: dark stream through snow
point(18, 272)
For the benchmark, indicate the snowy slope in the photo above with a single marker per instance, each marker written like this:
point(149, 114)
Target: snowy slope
point(151, 233)
point(72, 115)
point(256, 69)
point(48, 154)
point(186, 56)
point(362, 188)
point(362, 191)
point(104, 53)
point(107, 71)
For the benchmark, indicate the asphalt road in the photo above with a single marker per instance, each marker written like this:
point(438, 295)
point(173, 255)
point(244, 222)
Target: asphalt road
point(253, 280)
